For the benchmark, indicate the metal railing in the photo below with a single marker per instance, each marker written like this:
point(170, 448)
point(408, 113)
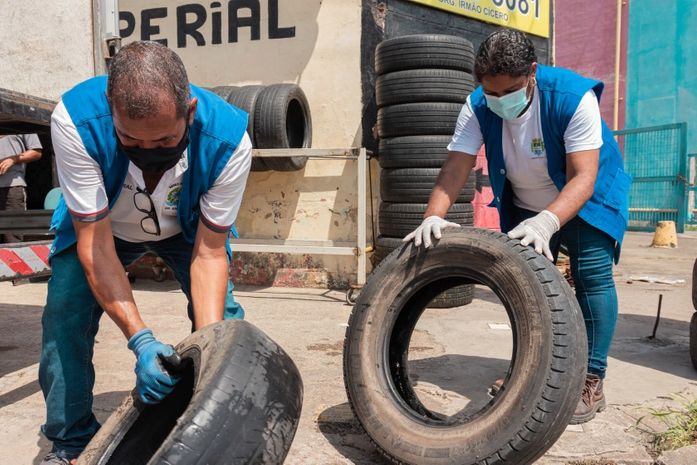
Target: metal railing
point(656, 157)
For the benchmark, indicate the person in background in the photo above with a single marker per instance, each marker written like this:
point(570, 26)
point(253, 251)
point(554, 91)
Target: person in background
point(15, 152)
point(147, 163)
point(557, 176)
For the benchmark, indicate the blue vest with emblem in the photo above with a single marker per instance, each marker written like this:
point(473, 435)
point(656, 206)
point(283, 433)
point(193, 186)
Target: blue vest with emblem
point(214, 136)
point(560, 92)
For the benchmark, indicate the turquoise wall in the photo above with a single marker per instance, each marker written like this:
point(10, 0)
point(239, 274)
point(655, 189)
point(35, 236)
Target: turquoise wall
point(662, 65)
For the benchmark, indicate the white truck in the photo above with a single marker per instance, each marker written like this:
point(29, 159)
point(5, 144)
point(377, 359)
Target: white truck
point(314, 44)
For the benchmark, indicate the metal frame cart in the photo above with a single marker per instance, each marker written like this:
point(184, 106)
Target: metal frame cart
point(359, 248)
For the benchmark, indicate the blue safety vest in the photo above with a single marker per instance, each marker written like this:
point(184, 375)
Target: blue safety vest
point(560, 92)
point(214, 136)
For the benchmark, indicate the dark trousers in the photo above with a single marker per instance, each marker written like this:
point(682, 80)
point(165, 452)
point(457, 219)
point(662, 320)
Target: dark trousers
point(12, 199)
point(70, 323)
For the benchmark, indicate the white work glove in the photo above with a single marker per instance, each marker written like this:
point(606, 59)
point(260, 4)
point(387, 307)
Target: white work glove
point(537, 231)
point(431, 225)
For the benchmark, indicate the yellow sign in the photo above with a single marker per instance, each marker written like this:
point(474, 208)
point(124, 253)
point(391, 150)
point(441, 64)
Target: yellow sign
point(526, 15)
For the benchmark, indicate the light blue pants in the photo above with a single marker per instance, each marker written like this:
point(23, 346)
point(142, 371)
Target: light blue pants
point(591, 252)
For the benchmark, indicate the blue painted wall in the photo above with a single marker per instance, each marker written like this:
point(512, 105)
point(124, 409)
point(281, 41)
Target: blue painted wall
point(662, 65)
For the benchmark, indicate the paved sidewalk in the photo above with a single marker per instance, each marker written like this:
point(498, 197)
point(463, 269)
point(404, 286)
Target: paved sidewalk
point(310, 325)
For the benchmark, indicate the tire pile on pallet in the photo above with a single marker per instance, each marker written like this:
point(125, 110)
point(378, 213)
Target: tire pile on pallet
point(422, 83)
point(279, 118)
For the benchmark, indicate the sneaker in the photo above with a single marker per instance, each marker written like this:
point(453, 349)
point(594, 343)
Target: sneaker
point(58, 458)
point(592, 400)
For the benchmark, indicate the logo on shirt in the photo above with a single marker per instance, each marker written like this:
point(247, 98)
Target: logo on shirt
point(537, 147)
point(172, 200)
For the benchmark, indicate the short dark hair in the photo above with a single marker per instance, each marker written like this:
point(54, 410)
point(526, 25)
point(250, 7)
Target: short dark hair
point(505, 51)
point(141, 74)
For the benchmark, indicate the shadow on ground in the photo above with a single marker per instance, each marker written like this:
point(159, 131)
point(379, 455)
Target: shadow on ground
point(20, 337)
point(669, 352)
point(19, 394)
point(341, 429)
point(104, 404)
point(256, 292)
point(467, 376)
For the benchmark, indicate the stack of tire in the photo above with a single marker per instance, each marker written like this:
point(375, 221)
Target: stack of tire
point(422, 82)
point(279, 118)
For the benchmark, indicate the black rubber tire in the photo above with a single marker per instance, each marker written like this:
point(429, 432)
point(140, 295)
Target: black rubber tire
point(413, 151)
point(457, 296)
point(693, 340)
point(238, 402)
point(245, 98)
point(424, 51)
point(414, 185)
point(223, 91)
point(423, 85)
point(384, 246)
point(399, 219)
point(282, 120)
point(482, 180)
point(548, 366)
point(417, 119)
point(694, 285)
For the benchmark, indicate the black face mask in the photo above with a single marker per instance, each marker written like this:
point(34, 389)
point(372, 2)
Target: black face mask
point(159, 160)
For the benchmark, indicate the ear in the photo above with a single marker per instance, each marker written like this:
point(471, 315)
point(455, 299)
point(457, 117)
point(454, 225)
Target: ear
point(192, 110)
point(533, 69)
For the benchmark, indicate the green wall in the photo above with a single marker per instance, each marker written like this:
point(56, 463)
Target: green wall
point(662, 65)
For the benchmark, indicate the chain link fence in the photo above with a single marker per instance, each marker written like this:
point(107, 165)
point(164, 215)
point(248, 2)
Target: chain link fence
point(656, 157)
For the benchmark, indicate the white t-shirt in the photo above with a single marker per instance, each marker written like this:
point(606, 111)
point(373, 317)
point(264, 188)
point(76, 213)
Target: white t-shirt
point(524, 151)
point(85, 196)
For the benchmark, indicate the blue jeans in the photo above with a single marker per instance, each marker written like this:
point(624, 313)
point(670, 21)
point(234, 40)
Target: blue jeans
point(591, 252)
point(70, 322)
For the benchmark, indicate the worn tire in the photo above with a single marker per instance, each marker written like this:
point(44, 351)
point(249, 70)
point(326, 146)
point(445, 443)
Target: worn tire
point(423, 85)
point(548, 364)
point(413, 151)
point(281, 121)
point(399, 219)
point(424, 51)
point(694, 285)
point(457, 296)
point(223, 91)
point(238, 402)
point(245, 98)
point(693, 340)
point(416, 119)
point(414, 185)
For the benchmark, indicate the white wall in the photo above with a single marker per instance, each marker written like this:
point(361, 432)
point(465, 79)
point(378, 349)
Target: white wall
point(45, 47)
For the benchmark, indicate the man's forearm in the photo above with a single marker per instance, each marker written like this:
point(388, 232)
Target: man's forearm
point(209, 280)
point(110, 286)
point(572, 198)
point(582, 171)
point(28, 156)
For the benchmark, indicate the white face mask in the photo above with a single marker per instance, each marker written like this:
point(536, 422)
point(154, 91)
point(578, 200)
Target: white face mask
point(509, 106)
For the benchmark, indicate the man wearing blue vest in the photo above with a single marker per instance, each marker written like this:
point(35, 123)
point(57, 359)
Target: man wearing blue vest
point(147, 163)
point(557, 176)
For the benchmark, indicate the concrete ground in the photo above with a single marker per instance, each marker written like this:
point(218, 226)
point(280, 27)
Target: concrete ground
point(456, 354)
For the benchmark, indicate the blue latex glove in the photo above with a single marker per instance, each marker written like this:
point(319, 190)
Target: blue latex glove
point(153, 383)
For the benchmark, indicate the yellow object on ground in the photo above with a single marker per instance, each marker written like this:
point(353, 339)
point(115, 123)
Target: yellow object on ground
point(665, 235)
